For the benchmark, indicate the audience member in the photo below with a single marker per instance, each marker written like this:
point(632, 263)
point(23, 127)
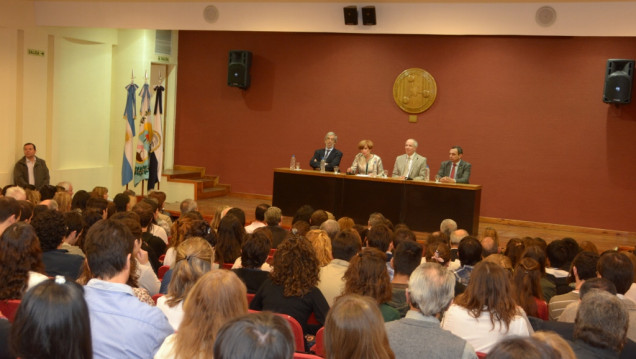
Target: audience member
point(514, 250)
point(583, 268)
point(557, 342)
point(79, 201)
point(557, 271)
point(50, 228)
point(188, 205)
point(68, 187)
point(486, 312)
point(146, 214)
point(63, 200)
point(536, 252)
point(430, 293)
point(408, 255)
point(300, 228)
point(217, 297)
point(291, 288)
point(344, 246)
point(100, 192)
point(21, 264)
point(255, 336)
point(523, 348)
point(74, 224)
point(355, 329)
point(163, 219)
point(469, 253)
point(180, 230)
point(302, 214)
point(526, 288)
point(122, 202)
point(121, 325)
point(322, 245)
point(16, 192)
point(153, 227)
point(259, 218)
point(273, 220)
point(52, 322)
point(9, 212)
point(317, 218)
point(26, 211)
point(448, 226)
point(330, 226)
point(367, 275)
point(500, 259)
point(229, 240)
point(345, 223)
point(489, 246)
point(254, 253)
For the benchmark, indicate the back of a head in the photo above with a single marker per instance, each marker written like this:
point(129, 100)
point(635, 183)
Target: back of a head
point(407, 256)
point(220, 292)
point(188, 205)
point(346, 223)
point(457, 235)
point(194, 258)
point(431, 288)
point(402, 234)
point(514, 249)
point(367, 275)
point(616, 267)
point(354, 328)
point(346, 244)
point(501, 260)
point(262, 335)
point(318, 217)
point(572, 248)
point(536, 253)
point(238, 213)
point(259, 212)
point(47, 192)
point(296, 266)
point(448, 226)
point(26, 210)
point(79, 200)
point(96, 203)
point(121, 202)
point(19, 253)
point(322, 245)
point(303, 213)
point(557, 254)
point(159, 196)
point(50, 227)
point(16, 193)
point(300, 228)
point(489, 246)
point(9, 207)
point(74, 222)
point(379, 236)
point(597, 283)
point(376, 218)
point(145, 212)
point(52, 322)
point(331, 227)
point(523, 348)
point(273, 216)
point(108, 244)
point(601, 321)
point(255, 249)
point(469, 251)
point(585, 263)
point(229, 239)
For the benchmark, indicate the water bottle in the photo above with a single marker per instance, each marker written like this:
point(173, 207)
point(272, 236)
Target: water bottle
point(427, 174)
point(292, 163)
point(323, 164)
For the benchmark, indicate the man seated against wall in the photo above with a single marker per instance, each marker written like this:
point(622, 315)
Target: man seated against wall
point(455, 170)
point(329, 154)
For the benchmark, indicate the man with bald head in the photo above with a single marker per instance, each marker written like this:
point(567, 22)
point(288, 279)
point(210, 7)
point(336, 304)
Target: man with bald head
point(410, 165)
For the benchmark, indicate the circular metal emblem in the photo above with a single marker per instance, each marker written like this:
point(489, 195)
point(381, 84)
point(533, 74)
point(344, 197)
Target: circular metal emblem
point(414, 90)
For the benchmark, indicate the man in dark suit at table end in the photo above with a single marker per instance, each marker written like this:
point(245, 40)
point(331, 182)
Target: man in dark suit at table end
point(455, 170)
point(330, 154)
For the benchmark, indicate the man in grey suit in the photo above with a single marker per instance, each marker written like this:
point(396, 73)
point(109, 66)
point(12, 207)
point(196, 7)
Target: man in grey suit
point(410, 165)
point(455, 170)
point(430, 292)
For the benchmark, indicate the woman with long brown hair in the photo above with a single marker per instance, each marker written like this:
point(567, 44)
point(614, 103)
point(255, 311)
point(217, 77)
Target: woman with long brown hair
point(21, 264)
point(486, 311)
point(527, 288)
point(216, 298)
point(355, 329)
point(229, 239)
point(367, 275)
point(291, 288)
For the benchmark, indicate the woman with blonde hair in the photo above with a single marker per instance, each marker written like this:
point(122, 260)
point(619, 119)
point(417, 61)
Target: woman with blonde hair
point(322, 245)
point(100, 192)
point(216, 298)
point(194, 258)
point(355, 329)
point(367, 275)
point(365, 162)
point(346, 223)
point(63, 200)
point(486, 312)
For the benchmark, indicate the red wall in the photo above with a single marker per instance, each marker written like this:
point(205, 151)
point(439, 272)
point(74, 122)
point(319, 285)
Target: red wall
point(526, 110)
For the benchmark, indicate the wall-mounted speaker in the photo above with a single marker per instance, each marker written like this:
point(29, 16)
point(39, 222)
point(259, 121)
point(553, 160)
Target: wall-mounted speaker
point(618, 81)
point(351, 15)
point(368, 15)
point(238, 68)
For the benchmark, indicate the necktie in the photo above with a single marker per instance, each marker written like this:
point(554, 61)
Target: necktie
point(326, 154)
point(452, 175)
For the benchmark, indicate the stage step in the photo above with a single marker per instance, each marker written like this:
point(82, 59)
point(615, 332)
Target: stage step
point(206, 186)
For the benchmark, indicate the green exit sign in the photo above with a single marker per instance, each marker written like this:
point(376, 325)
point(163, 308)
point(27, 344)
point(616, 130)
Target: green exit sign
point(163, 58)
point(35, 52)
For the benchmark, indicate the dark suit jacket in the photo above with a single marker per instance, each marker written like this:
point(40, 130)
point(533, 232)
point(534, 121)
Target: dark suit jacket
point(332, 160)
point(40, 172)
point(462, 173)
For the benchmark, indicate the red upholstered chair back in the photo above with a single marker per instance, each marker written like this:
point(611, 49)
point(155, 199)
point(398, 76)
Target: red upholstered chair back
point(162, 271)
point(157, 296)
point(299, 337)
point(319, 347)
point(305, 356)
point(9, 307)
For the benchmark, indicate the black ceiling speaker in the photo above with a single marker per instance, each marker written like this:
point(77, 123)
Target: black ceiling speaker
point(238, 68)
point(351, 15)
point(618, 81)
point(368, 15)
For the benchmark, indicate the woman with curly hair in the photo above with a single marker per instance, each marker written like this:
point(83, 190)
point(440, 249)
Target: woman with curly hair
point(526, 284)
point(194, 258)
point(180, 230)
point(322, 245)
point(21, 264)
point(291, 287)
point(215, 299)
point(355, 329)
point(486, 312)
point(229, 239)
point(367, 275)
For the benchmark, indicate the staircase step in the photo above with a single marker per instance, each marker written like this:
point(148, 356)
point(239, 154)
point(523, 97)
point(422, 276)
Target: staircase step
point(205, 186)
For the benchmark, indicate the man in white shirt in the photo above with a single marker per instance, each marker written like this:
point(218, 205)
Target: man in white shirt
point(410, 165)
point(259, 215)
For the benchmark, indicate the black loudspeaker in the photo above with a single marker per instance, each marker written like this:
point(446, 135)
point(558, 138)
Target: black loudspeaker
point(368, 15)
point(351, 15)
point(238, 68)
point(618, 81)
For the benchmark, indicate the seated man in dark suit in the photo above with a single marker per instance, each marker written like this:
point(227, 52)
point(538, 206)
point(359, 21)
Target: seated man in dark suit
point(330, 154)
point(455, 170)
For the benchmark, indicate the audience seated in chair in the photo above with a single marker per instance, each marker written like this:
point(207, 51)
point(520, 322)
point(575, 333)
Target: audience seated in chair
point(344, 246)
point(254, 253)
